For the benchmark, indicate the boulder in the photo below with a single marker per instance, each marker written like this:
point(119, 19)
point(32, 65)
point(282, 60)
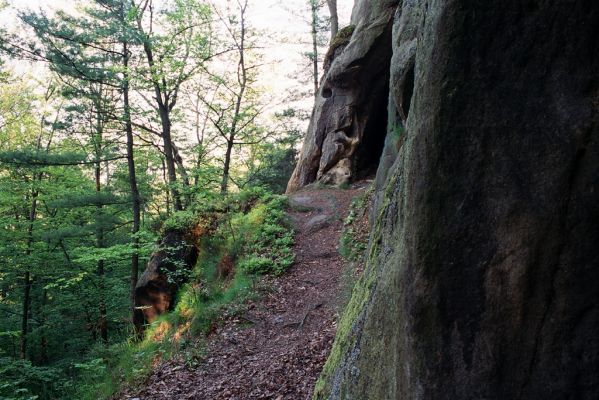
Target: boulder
point(167, 269)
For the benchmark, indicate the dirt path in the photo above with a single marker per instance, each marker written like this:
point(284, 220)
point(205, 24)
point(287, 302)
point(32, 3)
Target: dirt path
point(282, 351)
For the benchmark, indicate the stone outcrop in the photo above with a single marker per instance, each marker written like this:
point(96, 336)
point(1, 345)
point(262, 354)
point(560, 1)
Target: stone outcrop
point(482, 276)
point(167, 269)
point(348, 125)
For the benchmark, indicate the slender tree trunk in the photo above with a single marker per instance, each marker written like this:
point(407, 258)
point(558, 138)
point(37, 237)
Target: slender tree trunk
point(334, 18)
point(43, 338)
point(182, 172)
point(103, 320)
point(242, 78)
point(27, 281)
point(200, 138)
point(225, 181)
point(90, 324)
point(169, 157)
point(165, 120)
point(135, 197)
point(180, 166)
point(166, 192)
point(25, 320)
point(314, 9)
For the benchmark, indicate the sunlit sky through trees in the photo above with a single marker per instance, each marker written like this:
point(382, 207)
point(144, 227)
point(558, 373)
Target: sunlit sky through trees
point(284, 27)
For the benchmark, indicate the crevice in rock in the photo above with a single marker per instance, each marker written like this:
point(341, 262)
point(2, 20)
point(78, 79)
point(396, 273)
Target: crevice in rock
point(408, 91)
point(375, 131)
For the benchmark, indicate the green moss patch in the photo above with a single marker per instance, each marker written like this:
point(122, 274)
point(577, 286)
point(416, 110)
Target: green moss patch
point(342, 39)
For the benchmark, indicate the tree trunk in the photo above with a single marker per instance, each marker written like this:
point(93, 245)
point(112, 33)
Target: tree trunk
point(27, 281)
point(43, 338)
point(102, 321)
point(242, 78)
point(334, 18)
point(164, 108)
point(314, 10)
point(225, 182)
point(165, 119)
point(135, 197)
point(183, 172)
point(25, 320)
point(167, 192)
point(200, 139)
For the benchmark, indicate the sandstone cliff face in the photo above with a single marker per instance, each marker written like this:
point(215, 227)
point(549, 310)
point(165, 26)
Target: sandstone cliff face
point(482, 280)
point(348, 125)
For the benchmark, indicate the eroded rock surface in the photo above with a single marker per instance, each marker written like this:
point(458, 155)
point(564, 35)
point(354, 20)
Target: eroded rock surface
point(166, 271)
point(348, 126)
point(483, 273)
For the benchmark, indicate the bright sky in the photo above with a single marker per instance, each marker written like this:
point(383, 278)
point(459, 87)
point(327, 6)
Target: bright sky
point(284, 22)
point(264, 14)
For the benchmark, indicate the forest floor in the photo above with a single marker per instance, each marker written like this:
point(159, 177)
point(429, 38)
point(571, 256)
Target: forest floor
point(277, 347)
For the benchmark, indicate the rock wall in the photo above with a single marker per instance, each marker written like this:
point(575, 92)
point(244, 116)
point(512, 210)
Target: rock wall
point(348, 125)
point(482, 278)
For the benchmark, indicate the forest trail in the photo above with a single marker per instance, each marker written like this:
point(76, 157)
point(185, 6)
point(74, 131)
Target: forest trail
point(277, 348)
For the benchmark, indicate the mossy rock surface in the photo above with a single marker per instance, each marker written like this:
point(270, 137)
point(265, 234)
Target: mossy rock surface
point(342, 39)
point(482, 278)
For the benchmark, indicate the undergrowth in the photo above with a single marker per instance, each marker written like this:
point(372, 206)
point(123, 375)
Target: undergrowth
point(354, 237)
point(252, 238)
point(353, 244)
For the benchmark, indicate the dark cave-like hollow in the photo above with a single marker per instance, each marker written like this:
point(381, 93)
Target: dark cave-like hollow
point(408, 91)
point(375, 132)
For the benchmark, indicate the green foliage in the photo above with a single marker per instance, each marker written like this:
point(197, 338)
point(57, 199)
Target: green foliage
point(66, 213)
point(268, 239)
point(109, 368)
point(20, 380)
point(354, 239)
point(272, 162)
point(35, 157)
point(254, 228)
point(180, 221)
point(50, 218)
point(254, 264)
point(274, 166)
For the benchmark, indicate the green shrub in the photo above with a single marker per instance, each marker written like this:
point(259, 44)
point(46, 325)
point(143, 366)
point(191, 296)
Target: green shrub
point(181, 221)
point(269, 239)
point(256, 265)
point(354, 240)
point(20, 380)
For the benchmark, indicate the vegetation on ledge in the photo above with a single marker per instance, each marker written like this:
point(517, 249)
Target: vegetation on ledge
point(252, 239)
point(341, 39)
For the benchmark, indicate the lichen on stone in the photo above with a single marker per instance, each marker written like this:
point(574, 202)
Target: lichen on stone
point(342, 39)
